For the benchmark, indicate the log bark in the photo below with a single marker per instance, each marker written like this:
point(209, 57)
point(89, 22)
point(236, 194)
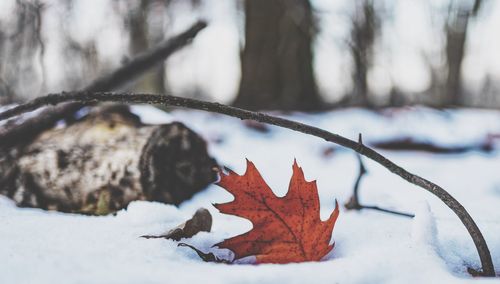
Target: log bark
point(104, 161)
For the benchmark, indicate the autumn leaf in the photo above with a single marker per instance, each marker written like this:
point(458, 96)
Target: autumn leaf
point(285, 229)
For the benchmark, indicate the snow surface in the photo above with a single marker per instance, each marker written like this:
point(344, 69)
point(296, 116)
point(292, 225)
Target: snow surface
point(371, 247)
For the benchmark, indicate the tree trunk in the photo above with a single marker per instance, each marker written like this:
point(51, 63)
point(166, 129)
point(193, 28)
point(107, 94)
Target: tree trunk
point(456, 35)
point(104, 161)
point(277, 71)
point(364, 31)
point(142, 36)
point(456, 30)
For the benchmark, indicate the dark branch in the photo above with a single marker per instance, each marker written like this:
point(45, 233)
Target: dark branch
point(387, 211)
point(409, 144)
point(26, 131)
point(354, 204)
point(450, 201)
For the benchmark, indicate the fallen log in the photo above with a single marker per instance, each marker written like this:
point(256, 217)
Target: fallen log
point(61, 169)
point(105, 160)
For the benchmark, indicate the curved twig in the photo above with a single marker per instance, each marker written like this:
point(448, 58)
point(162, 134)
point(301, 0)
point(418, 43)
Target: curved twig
point(354, 203)
point(450, 201)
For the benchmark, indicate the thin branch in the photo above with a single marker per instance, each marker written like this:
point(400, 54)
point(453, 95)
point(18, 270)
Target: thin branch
point(443, 195)
point(354, 203)
point(387, 211)
point(25, 131)
point(354, 200)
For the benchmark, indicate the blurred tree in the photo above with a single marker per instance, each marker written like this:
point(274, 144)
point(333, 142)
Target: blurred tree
point(456, 26)
point(364, 30)
point(276, 62)
point(85, 64)
point(21, 44)
point(146, 31)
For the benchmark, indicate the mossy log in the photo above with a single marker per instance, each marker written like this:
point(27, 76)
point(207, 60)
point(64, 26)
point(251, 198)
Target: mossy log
point(104, 161)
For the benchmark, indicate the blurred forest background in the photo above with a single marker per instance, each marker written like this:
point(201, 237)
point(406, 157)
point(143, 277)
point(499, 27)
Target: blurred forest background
point(262, 54)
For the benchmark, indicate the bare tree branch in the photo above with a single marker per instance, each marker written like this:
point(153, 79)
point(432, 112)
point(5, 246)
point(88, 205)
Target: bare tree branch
point(354, 203)
point(443, 195)
point(27, 130)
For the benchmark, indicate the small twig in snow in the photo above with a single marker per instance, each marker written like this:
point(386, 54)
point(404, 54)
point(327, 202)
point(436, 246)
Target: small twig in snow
point(354, 203)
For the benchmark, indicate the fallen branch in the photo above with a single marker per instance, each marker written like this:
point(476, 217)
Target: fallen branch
point(409, 144)
point(24, 132)
point(443, 195)
point(354, 204)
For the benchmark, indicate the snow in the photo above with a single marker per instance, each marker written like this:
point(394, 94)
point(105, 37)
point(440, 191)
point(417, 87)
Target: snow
point(424, 231)
point(371, 247)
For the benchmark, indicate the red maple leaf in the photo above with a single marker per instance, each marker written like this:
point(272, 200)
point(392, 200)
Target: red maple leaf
point(285, 229)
